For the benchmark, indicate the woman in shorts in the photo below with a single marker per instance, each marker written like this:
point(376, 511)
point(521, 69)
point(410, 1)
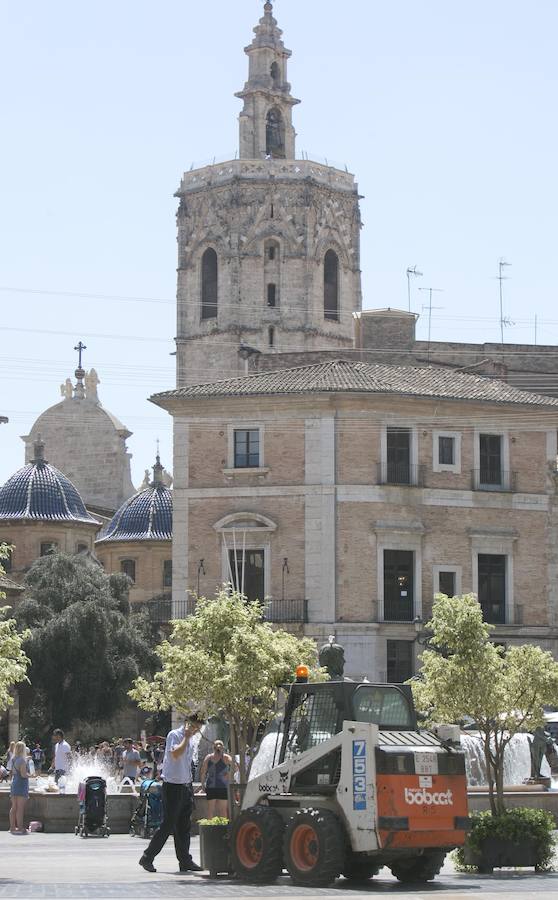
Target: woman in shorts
point(19, 788)
point(214, 775)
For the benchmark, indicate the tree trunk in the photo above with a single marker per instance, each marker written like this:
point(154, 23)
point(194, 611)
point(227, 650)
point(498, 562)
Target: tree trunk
point(499, 769)
point(489, 774)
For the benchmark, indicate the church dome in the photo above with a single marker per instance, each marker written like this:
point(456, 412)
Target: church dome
point(147, 516)
point(41, 492)
point(100, 470)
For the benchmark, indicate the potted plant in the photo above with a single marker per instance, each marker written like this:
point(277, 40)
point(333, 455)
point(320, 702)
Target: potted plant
point(519, 837)
point(214, 845)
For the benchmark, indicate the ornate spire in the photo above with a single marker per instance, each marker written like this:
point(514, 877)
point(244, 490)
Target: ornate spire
point(79, 390)
point(157, 471)
point(266, 129)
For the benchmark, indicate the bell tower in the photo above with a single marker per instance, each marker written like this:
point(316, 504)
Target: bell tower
point(266, 126)
point(268, 245)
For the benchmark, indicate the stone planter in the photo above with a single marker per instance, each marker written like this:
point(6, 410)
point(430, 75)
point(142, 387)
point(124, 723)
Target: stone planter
point(214, 849)
point(496, 853)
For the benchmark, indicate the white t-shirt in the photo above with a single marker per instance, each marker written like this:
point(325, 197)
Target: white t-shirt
point(61, 755)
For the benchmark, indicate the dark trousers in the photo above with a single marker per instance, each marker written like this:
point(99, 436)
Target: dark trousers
point(178, 803)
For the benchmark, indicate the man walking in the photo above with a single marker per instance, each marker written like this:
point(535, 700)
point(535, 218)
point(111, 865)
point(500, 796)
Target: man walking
point(178, 797)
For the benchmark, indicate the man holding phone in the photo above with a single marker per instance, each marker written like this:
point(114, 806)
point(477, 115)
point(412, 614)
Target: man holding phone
point(178, 797)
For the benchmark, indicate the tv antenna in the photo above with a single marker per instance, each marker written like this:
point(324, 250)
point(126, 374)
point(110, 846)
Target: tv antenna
point(429, 307)
point(411, 270)
point(501, 278)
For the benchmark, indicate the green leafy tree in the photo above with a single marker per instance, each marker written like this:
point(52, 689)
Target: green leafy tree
point(13, 661)
point(225, 659)
point(502, 691)
point(84, 646)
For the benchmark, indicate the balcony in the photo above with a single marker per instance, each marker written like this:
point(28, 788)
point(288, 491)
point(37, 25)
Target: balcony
point(286, 612)
point(163, 611)
point(400, 474)
point(493, 480)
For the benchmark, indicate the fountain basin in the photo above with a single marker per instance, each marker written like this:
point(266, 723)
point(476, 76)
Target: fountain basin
point(59, 812)
point(479, 800)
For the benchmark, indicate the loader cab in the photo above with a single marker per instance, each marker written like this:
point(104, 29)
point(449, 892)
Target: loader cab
point(316, 712)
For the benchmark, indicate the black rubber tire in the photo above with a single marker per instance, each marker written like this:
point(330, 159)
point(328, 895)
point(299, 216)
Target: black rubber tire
point(359, 870)
point(328, 851)
point(269, 825)
point(419, 869)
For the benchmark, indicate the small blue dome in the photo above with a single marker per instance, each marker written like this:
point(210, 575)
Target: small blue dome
point(147, 516)
point(41, 492)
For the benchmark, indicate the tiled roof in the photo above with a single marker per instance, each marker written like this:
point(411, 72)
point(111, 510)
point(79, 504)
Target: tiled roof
point(147, 516)
point(340, 376)
point(41, 492)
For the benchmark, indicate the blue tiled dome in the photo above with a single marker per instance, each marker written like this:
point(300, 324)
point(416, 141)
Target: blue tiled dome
point(147, 516)
point(41, 492)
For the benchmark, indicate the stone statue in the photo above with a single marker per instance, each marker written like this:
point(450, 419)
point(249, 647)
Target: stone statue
point(66, 389)
point(332, 658)
point(275, 145)
point(538, 746)
point(167, 478)
point(146, 480)
point(91, 382)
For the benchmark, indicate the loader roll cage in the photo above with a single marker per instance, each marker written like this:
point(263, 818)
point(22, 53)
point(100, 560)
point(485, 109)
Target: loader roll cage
point(316, 712)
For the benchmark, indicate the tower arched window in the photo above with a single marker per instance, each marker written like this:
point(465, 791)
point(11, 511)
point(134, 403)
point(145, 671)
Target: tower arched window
point(275, 134)
point(209, 284)
point(331, 286)
point(272, 273)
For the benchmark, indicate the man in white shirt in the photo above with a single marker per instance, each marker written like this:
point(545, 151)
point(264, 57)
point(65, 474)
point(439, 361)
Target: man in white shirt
point(131, 760)
point(62, 754)
point(178, 797)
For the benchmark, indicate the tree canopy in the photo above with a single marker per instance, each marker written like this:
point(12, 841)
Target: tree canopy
point(13, 661)
point(84, 646)
point(503, 691)
point(225, 659)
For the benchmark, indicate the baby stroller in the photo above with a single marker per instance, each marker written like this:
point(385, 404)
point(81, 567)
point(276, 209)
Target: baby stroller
point(149, 811)
point(92, 795)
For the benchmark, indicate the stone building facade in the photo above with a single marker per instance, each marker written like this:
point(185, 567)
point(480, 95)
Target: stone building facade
point(349, 494)
point(268, 245)
point(87, 443)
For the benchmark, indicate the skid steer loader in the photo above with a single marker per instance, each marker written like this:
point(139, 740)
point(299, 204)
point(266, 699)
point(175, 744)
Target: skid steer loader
point(357, 786)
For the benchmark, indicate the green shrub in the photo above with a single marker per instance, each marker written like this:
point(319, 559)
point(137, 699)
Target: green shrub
point(216, 820)
point(516, 825)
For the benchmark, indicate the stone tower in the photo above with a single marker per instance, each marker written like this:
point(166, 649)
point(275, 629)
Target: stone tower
point(268, 245)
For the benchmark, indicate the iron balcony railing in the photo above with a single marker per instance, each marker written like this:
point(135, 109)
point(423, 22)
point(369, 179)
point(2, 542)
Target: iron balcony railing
point(493, 480)
point(286, 611)
point(398, 609)
point(163, 610)
point(400, 473)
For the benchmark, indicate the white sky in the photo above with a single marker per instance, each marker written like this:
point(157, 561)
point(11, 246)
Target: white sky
point(445, 111)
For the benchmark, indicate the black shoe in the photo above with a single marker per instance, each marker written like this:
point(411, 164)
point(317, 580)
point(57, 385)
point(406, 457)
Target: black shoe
point(146, 864)
point(191, 867)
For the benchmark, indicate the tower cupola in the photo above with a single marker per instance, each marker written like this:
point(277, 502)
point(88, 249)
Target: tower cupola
point(266, 126)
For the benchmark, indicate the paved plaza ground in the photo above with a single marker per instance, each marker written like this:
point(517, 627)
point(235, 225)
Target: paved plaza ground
point(63, 867)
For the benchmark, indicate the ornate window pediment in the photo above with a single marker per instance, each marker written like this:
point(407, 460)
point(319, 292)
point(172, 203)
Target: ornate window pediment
point(245, 521)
